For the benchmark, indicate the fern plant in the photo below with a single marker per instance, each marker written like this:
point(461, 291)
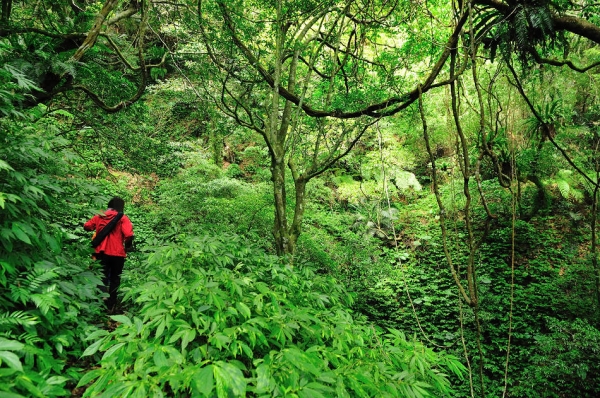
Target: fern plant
point(567, 184)
point(520, 29)
point(218, 317)
point(48, 295)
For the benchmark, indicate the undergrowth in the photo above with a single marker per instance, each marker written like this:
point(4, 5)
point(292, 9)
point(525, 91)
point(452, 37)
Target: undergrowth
point(215, 316)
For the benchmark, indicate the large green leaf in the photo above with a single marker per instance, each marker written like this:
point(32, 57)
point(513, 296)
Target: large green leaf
point(229, 379)
point(91, 350)
point(20, 234)
point(11, 359)
point(203, 380)
point(11, 345)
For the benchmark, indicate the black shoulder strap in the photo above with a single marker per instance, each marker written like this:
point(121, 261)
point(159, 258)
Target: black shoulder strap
point(106, 230)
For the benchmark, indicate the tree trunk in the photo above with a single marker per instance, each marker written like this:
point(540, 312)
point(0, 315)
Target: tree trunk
point(286, 236)
point(295, 229)
point(594, 242)
point(280, 226)
point(6, 10)
point(90, 40)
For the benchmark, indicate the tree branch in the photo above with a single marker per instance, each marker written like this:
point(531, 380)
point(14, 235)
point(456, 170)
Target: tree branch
point(555, 62)
point(569, 23)
point(546, 126)
point(131, 10)
point(375, 110)
point(325, 166)
point(126, 62)
point(92, 36)
point(143, 70)
point(5, 32)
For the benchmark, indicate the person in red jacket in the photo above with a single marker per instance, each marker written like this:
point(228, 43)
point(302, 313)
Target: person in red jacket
point(111, 251)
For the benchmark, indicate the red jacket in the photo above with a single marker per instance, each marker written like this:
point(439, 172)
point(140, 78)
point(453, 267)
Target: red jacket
point(113, 244)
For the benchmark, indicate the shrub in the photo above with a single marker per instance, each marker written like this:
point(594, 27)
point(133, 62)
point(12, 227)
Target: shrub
point(49, 294)
point(218, 317)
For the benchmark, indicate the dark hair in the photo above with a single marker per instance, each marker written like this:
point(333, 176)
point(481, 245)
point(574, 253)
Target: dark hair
point(117, 203)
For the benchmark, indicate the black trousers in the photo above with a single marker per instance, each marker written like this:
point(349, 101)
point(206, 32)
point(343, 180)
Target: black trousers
point(113, 267)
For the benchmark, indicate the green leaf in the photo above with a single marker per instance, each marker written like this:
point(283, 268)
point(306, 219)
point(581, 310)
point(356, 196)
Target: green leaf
point(188, 336)
point(6, 394)
point(161, 328)
point(4, 165)
point(310, 393)
point(96, 334)
point(564, 188)
point(160, 359)
point(229, 377)
point(53, 243)
point(263, 379)
point(11, 345)
point(11, 359)
point(89, 376)
point(328, 377)
point(112, 350)
point(121, 319)
point(203, 380)
point(91, 350)
point(5, 372)
point(243, 309)
point(22, 236)
point(7, 243)
point(56, 380)
point(25, 382)
point(302, 361)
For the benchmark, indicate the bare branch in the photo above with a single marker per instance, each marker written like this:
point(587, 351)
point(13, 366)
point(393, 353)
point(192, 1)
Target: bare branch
point(131, 10)
point(555, 62)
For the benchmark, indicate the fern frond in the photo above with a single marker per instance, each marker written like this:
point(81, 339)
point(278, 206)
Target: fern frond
point(30, 338)
point(521, 28)
point(19, 294)
point(46, 301)
point(564, 174)
point(60, 67)
point(39, 276)
point(545, 20)
point(577, 194)
point(564, 188)
point(21, 318)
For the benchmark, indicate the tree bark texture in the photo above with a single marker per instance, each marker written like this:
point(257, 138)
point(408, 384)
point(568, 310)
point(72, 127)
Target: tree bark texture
point(568, 23)
point(92, 36)
point(280, 226)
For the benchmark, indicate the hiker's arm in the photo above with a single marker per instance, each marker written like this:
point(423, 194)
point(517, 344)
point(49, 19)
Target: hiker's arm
point(127, 229)
point(90, 225)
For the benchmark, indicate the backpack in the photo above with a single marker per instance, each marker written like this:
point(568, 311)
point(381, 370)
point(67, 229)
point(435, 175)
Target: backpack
point(103, 233)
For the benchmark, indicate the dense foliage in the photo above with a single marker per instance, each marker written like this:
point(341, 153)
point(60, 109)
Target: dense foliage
point(50, 295)
point(214, 313)
point(335, 198)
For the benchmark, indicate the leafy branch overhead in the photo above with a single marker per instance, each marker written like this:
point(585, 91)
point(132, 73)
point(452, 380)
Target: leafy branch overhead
point(60, 34)
point(311, 35)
